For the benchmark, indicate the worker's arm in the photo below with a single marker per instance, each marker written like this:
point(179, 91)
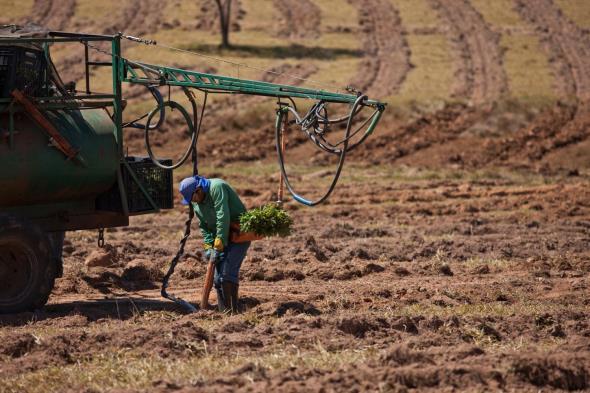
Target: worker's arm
point(221, 205)
point(208, 235)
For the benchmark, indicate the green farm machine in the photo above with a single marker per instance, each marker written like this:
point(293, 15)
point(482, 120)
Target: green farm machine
point(63, 165)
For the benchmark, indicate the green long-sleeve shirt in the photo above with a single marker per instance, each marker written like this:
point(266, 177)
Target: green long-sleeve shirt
point(221, 206)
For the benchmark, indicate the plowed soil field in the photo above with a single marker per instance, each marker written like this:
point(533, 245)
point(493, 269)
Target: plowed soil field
point(454, 254)
point(446, 280)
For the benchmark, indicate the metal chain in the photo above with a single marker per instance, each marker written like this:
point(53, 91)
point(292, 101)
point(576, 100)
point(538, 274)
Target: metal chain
point(101, 237)
point(96, 48)
point(187, 229)
point(187, 232)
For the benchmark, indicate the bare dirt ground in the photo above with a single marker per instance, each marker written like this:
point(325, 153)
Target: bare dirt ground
point(386, 53)
point(433, 280)
point(480, 75)
point(453, 256)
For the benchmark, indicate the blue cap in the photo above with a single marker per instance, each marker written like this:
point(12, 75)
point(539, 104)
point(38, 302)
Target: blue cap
point(189, 185)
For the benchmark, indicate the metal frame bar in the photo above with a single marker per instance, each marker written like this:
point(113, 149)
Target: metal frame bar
point(86, 68)
point(52, 40)
point(11, 127)
point(68, 98)
point(118, 120)
point(155, 74)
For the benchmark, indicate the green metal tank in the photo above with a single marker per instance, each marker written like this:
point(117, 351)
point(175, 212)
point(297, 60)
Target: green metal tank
point(43, 193)
point(36, 172)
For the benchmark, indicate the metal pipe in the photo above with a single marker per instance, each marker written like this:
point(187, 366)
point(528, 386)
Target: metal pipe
point(86, 68)
point(11, 127)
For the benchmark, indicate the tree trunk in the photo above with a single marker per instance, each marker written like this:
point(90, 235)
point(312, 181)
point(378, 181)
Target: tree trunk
point(224, 8)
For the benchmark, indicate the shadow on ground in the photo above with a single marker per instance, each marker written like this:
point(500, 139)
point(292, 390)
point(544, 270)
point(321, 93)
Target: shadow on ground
point(276, 51)
point(122, 309)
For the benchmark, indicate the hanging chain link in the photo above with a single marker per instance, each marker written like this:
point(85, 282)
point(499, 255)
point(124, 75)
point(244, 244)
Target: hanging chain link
point(101, 237)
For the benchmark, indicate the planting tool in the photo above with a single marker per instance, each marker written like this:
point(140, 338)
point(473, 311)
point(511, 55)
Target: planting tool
point(208, 285)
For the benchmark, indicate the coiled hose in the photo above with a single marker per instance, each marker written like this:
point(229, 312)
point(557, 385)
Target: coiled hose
point(349, 119)
point(191, 127)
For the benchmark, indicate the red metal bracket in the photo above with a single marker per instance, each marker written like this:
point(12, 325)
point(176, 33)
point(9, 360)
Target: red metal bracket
point(56, 138)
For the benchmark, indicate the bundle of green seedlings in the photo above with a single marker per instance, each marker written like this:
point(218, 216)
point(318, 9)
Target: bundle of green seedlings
point(267, 220)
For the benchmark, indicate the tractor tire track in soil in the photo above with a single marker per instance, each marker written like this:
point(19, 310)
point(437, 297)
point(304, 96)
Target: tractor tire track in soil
point(53, 14)
point(208, 18)
point(299, 19)
point(566, 42)
point(481, 76)
point(386, 59)
point(564, 124)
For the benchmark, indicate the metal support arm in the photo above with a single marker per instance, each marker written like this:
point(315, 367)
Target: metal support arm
point(149, 74)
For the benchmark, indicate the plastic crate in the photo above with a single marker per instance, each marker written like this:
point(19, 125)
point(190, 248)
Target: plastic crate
point(23, 69)
point(155, 180)
point(6, 71)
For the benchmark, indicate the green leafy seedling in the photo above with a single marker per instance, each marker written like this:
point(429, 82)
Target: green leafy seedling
point(267, 220)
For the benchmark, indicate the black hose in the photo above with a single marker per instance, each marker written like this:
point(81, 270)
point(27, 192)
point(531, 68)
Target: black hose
point(160, 101)
point(343, 152)
point(189, 122)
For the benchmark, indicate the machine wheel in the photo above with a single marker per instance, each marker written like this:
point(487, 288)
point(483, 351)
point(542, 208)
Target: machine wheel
point(27, 273)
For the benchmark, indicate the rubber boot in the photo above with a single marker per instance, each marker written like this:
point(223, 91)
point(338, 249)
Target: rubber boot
point(235, 298)
point(230, 296)
point(220, 299)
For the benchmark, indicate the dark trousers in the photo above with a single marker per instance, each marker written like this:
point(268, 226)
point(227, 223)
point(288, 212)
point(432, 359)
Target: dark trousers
point(228, 268)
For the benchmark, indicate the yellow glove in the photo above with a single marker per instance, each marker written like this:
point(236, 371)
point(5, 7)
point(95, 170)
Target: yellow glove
point(218, 245)
point(207, 246)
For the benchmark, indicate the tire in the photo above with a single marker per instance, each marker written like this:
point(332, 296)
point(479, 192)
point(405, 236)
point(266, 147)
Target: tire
point(27, 272)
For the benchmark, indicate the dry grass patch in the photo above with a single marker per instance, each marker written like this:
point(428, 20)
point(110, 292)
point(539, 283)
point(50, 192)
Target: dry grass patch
point(186, 11)
point(125, 371)
point(260, 16)
point(431, 79)
point(13, 10)
point(499, 13)
point(335, 74)
point(503, 310)
point(416, 13)
point(528, 71)
point(337, 13)
point(90, 11)
point(577, 10)
point(501, 264)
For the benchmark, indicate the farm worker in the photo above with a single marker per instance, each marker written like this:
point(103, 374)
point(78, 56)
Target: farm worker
point(216, 204)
